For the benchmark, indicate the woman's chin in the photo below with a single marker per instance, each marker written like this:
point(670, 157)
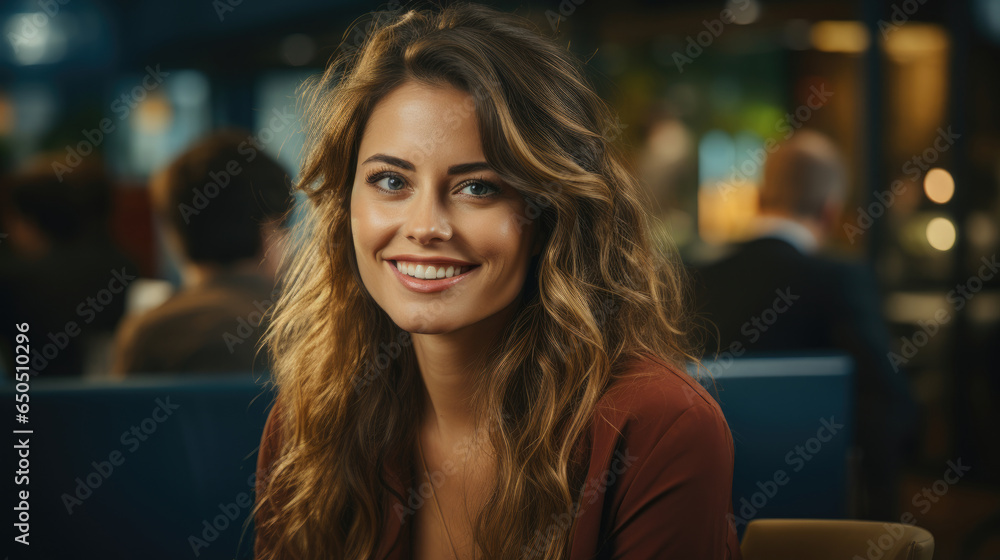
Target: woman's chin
point(426, 326)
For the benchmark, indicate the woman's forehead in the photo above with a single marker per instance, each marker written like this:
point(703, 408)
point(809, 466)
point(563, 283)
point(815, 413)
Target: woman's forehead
point(424, 126)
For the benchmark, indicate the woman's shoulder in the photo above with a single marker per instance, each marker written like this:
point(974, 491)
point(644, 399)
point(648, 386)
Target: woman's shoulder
point(661, 467)
point(651, 395)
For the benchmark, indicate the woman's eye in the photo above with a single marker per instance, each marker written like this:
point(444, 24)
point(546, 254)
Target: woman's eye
point(389, 182)
point(480, 189)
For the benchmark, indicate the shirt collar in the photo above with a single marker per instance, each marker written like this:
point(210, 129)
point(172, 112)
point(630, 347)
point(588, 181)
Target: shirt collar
point(790, 231)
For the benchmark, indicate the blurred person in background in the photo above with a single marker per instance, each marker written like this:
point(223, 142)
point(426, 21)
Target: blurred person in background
point(222, 205)
point(820, 303)
point(665, 163)
point(60, 272)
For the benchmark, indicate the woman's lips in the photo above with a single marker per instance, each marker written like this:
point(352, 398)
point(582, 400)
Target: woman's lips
point(427, 286)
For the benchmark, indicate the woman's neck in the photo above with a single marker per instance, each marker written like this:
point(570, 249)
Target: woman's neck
point(449, 365)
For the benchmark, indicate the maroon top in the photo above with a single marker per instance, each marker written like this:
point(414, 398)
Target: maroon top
point(659, 483)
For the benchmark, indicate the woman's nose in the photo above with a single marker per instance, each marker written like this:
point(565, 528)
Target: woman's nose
point(427, 218)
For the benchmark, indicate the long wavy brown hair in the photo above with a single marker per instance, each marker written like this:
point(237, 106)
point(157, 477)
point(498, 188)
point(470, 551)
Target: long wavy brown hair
point(601, 292)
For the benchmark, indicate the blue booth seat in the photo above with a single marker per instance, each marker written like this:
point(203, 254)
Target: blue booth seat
point(792, 420)
point(163, 467)
point(145, 468)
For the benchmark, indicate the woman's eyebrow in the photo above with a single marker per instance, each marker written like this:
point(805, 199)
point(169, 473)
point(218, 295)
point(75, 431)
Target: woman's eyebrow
point(453, 170)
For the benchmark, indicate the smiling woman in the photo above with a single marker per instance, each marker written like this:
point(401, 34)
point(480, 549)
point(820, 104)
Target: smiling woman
point(500, 339)
point(411, 222)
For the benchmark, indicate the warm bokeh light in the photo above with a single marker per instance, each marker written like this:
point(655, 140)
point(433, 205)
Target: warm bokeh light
point(153, 115)
point(918, 69)
point(726, 210)
point(939, 185)
point(915, 40)
point(839, 36)
point(941, 234)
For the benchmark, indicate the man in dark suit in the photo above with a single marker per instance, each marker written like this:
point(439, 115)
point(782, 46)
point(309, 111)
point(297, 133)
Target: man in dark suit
point(775, 293)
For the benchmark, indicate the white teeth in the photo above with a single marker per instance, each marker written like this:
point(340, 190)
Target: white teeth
point(430, 272)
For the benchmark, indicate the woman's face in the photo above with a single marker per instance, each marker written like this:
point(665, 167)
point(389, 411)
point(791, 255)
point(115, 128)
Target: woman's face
point(423, 196)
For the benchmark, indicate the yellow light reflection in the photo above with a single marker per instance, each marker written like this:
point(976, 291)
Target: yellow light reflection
point(839, 36)
point(153, 115)
point(941, 234)
point(726, 210)
point(939, 185)
point(915, 40)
